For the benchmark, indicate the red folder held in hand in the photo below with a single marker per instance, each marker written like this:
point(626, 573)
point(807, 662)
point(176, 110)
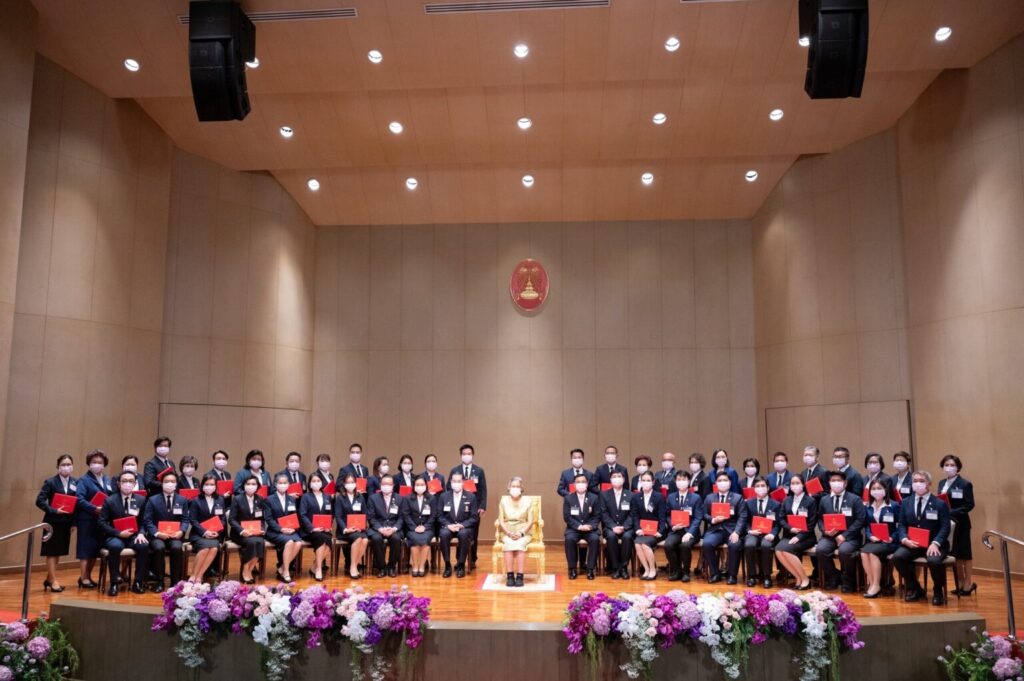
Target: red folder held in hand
point(779, 494)
point(834, 521)
point(944, 497)
point(880, 530)
point(813, 486)
point(361, 485)
point(718, 509)
point(749, 493)
point(330, 489)
point(214, 524)
point(294, 488)
point(404, 490)
point(322, 521)
point(262, 491)
point(797, 522)
point(168, 527)
point(469, 486)
point(761, 524)
point(896, 496)
point(141, 493)
point(650, 527)
point(681, 518)
point(290, 521)
point(98, 499)
point(919, 535)
point(605, 486)
point(126, 523)
point(434, 486)
point(253, 526)
point(189, 493)
point(64, 502)
point(356, 521)
point(224, 487)
point(161, 474)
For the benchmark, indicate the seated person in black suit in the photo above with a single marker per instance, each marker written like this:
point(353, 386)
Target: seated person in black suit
point(926, 512)
point(582, 515)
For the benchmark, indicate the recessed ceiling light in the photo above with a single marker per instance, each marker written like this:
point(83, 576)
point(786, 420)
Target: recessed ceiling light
point(131, 64)
point(313, 184)
point(524, 123)
point(672, 44)
point(286, 131)
point(527, 180)
point(804, 41)
point(942, 35)
point(751, 175)
point(659, 118)
point(411, 183)
point(254, 64)
point(375, 56)
point(395, 127)
point(521, 50)
point(776, 114)
point(647, 178)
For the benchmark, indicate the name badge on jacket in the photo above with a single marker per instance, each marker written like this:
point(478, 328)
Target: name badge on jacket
point(133, 511)
point(425, 511)
point(393, 510)
point(957, 494)
point(848, 512)
point(574, 511)
point(176, 510)
point(218, 511)
point(931, 515)
point(357, 506)
point(258, 514)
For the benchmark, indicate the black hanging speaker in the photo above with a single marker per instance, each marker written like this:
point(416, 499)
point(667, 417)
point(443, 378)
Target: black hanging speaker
point(220, 40)
point(838, 54)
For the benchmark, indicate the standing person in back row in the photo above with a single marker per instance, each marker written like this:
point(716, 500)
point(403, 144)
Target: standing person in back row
point(152, 476)
point(474, 481)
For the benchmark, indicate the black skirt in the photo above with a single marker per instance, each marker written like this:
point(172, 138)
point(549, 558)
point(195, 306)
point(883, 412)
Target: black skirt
point(961, 547)
point(880, 548)
point(202, 543)
point(797, 549)
point(415, 538)
point(317, 539)
point(59, 543)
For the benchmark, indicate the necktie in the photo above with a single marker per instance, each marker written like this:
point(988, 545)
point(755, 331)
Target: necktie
point(760, 507)
point(920, 506)
point(127, 503)
point(294, 477)
point(359, 471)
point(168, 503)
point(835, 504)
point(778, 480)
point(723, 498)
point(466, 474)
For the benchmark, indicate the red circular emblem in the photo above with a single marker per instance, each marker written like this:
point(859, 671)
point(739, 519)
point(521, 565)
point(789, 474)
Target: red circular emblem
point(529, 285)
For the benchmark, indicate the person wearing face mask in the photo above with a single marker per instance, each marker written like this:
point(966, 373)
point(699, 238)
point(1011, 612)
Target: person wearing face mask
point(188, 480)
point(87, 548)
point(649, 512)
point(666, 477)
point(759, 544)
point(130, 463)
point(644, 464)
point(349, 504)
point(902, 479)
point(720, 464)
point(700, 482)
point(617, 521)
point(385, 523)
point(220, 467)
point(381, 467)
point(207, 514)
point(854, 481)
point(567, 481)
point(435, 481)
point(959, 494)
point(158, 466)
point(315, 503)
point(168, 508)
point(780, 475)
point(874, 467)
point(723, 528)
point(682, 536)
point(293, 471)
point(610, 465)
point(814, 470)
point(323, 466)
point(405, 477)
point(356, 467)
point(581, 514)
point(929, 515)
point(60, 517)
point(283, 535)
point(751, 471)
point(798, 507)
point(516, 518)
point(248, 507)
point(253, 469)
point(418, 519)
point(458, 516)
point(846, 542)
point(880, 512)
point(117, 507)
point(474, 481)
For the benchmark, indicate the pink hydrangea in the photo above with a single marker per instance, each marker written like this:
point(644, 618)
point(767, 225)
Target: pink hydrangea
point(38, 647)
point(6, 674)
point(1006, 668)
point(16, 632)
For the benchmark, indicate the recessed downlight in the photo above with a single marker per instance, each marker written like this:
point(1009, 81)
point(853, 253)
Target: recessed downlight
point(131, 64)
point(521, 50)
point(527, 180)
point(804, 41)
point(672, 44)
point(375, 56)
point(751, 175)
point(254, 64)
point(411, 183)
point(659, 118)
point(524, 123)
point(776, 114)
point(313, 184)
point(647, 178)
point(395, 127)
point(286, 131)
point(942, 35)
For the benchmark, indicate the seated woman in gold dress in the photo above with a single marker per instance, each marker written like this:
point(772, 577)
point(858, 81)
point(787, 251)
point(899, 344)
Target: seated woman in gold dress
point(516, 518)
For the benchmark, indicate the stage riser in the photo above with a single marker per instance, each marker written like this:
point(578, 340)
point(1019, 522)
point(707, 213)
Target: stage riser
point(112, 641)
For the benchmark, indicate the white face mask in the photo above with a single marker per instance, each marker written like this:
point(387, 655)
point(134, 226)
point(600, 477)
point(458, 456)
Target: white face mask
point(577, 463)
point(878, 494)
point(294, 465)
point(169, 487)
point(951, 471)
point(723, 485)
point(900, 465)
point(809, 460)
point(96, 468)
point(251, 489)
point(750, 471)
point(188, 471)
point(431, 466)
point(581, 487)
point(668, 465)
point(467, 459)
point(721, 463)
point(780, 466)
point(324, 466)
point(682, 485)
point(457, 486)
point(209, 490)
point(796, 489)
point(130, 467)
point(617, 482)
point(874, 467)
point(694, 467)
point(837, 462)
point(220, 464)
point(256, 464)
point(163, 451)
point(316, 485)
point(406, 467)
point(515, 492)
point(646, 485)
point(837, 486)
point(384, 468)
point(420, 489)
point(354, 457)
point(127, 487)
point(65, 469)
point(641, 469)
point(610, 458)
point(386, 489)
point(350, 486)
point(761, 491)
point(920, 487)
point(282, 487)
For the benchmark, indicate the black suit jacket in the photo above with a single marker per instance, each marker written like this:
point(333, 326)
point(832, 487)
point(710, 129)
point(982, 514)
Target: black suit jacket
point(380, 516)
point(587, 514)
point(412, 517)
point(481, 483)
point(199, 513)
point(808, 507)
point(343, 508)
point(464, 513)
point(961, 500)
point(150, 480)
point(157, 511)
point(114, 509)
point(52, 486)
point(737, 519)
point(308, 507)
point(240, 512)
point(689, 502)
point(614, 515)
point(604, 475)
point(855, 518)
point(568, 479)
point(657, 511)
point(938, 526)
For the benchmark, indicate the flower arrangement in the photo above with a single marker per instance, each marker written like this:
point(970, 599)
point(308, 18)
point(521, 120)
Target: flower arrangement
point(41, 651)
point(282, 620)
point(988, 658)
point(728, 624)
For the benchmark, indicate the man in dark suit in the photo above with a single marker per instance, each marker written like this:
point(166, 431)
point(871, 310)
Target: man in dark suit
point(610, 465)
point(293, 469)
point(354, 465)
point(814, 470)
point(167, 506)
point(459, 516)
point(565, 483)
point(385, 520)
point(779, 477)
point(582, 515)
point(854, 481)
point(723, 529)
point(124, 504)
point(618, 525)
point(839, 501)
point(925, 511)
point(681, 539)
point(666, 477)
point(474, 481)
point(159, 464)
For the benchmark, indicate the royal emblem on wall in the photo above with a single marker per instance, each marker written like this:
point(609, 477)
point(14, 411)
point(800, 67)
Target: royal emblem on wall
point(529, 285)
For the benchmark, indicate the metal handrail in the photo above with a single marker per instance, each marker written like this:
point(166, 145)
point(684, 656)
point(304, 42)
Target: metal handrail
point(1004, 541)
point(30, 531)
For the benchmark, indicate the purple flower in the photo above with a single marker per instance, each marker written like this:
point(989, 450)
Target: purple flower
point(1006, 668)
point(38, 647)
point(1001, 646)
point(226, 590)
point(16, 631)
point(6, 674)
point(218, 610)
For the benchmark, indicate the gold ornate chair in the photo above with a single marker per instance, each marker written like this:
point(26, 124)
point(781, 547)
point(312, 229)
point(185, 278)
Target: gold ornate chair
point(534, 550)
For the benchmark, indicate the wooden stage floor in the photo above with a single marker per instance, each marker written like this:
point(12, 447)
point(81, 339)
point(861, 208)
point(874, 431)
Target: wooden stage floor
point(462, 600)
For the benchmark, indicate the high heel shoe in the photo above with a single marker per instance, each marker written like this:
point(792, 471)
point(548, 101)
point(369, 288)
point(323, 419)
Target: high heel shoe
point(355, 576)
point(966, 592)
point(82, 584)
point(251, 580)
point(313, 575)
point(803, 587)
point(48, 586)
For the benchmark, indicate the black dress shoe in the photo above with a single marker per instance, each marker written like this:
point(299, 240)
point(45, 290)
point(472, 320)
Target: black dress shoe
point(846, 589)
point(872, 595)
point(138, 588)
point(831, 586)
point(112, 591)
point(714, 579)
point(382, 573)
point(572, 573)
point(913, 595)
point(767, 583)
point(510, 579)
point(392, 572)
point(590, 573)
point(157, 588)
point(675, 576)
point(519, 579)
point(624, 573)
point(751, 582)
point(472, 566)
point(82, 584)
point(685, 578)
point(937, 599)
point(460, 572)
point(730, 581)
point(447, 571)
point(616, 574)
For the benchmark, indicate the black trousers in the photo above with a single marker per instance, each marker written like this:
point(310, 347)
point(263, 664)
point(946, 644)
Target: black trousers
point(158, 549)
point(714, 539)
point(826, 551)
point(475, 531)
point(903, 560)
point(758, 553)
point(619, 548)
point(572, 538)
point(465, 537)
point(115, 545)
point(377, 544)
point(679, 552)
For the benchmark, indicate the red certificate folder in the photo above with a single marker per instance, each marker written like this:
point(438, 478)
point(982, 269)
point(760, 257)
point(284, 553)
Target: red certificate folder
point(650, 527)
point(189, 493)
point(141, 493)
point(322, 521)
point(295, 488)
point(864, 495)
point(404, 490)
point(919, 535)
point(605, 486)
point(289, 521)
point(224, 487)
point(880, 530)
point(214, 524)
point(797, 522)
point(834, 521)
point(813, 486)
point(330, 489)
point(944, 497)
point(161, 474)
point(252, 525)
point(64, 502)
point(98, 499)
point(761, 524)
point(356, 521)
point(749, 493)
point(434, 486)
point(469, 486)
point(262, 491)
point(361, 485)
point(168, 526)
point(127, 523)
point(681, 518)
point(779, 494)
point(896, 496)
point(718, 509)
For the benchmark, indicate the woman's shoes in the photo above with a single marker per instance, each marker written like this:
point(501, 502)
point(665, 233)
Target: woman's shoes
point(966, 592)
point(48, 586)
point(355, 576)
point(519, 579)
point(803, 587)
point(868, 594)
point(510, 579)
point(82, 584)
point(251, 580)
point(313, 575)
